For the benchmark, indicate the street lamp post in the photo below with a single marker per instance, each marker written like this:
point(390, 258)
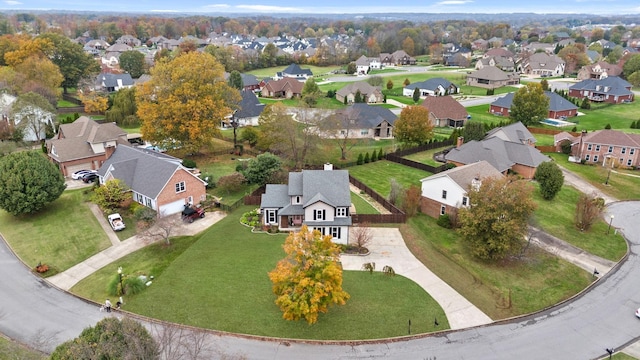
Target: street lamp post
point(610, 221)
point(120, 276)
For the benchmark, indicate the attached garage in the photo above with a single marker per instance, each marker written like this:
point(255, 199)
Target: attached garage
point(70, 169)
point(171, 208)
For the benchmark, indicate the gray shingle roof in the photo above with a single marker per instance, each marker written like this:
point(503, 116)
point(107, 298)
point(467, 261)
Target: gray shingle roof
point(250, 106)
point(501, 154)
point(352, 88)
point(610, 85)
point(144, 171)
point(77, 137)
point(430, 84)
point(556, 102)
point(515, 132)
point(368, 117)
point(295, 69)
point(465, 174)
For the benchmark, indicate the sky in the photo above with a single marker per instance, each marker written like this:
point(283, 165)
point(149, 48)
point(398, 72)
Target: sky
point(601, 7)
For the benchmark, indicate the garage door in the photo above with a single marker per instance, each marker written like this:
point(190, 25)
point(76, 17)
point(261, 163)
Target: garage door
point(73, 168)
point(172, 208)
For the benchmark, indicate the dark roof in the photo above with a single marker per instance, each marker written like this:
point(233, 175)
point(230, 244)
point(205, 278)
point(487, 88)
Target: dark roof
point(445, 107)
point(515, 132)
point(294, 69)
point(76, 138)
point(613, 85)
point(250, 106)
point(369, 116)
point(115, 80)
point(431, 84)
point(556, 102)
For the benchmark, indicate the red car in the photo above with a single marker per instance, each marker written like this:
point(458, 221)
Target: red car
point(190, 213)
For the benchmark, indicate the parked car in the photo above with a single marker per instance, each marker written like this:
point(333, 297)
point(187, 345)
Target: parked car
point(89, 177)
point(78, 174)
point(191, 213)
point(116, 222)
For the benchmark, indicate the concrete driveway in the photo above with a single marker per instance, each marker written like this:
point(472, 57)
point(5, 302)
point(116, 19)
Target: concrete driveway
point(387, 248)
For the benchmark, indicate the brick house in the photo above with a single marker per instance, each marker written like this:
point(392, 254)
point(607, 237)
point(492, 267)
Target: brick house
point(612, 89)
point(490, 77)
point(370, 94)
point(606, 147)
point(362, 121)
point(284, 88)
point(319, 199)
point(445, 192)
point(83, 144)
point(445, 111)
point(559, 107)
point(156, 180)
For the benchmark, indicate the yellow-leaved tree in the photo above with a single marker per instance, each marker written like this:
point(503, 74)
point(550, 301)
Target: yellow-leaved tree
point(309, 278)
point(185, 101)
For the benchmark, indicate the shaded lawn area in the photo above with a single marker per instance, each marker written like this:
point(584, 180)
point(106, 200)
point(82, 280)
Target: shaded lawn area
point(378, 175)
point(361, 205)
point(557, 217)
point(619, 186)
point(63, 234)
point(503, 289)
point(221, 282)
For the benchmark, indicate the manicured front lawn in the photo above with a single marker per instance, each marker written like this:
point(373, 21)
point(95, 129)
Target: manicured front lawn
point(557, 217)
point(220, 282)
point(63, 234)
point(621, 187)
point(378, 175)
point(501, 290)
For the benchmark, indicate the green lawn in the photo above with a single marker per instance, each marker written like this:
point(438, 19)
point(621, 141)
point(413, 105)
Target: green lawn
point(13, 350)
point(557, 218)
point(619, 186)
point(503, 289)
point(378, 175)
point(220, 282)
point(318, 71)
point(362, 206)
point(426, 157)
point(63, 234)
point(66, 104)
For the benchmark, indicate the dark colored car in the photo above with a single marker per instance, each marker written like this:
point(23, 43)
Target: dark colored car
point(190, 213)
point(90, 177)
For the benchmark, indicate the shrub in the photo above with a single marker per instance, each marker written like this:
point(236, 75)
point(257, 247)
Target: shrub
point(188, 163)
point(251, 218)
point(608, 126)
point(145, 214)
point(380, 154)
point(575, 129)
point(366, 158)
point(42, 268)
point(444, 221)
point(231, 183)
point(360, 159)
point(211, 183)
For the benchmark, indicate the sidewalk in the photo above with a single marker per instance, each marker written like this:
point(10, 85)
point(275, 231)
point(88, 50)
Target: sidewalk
point(119, 249)
point(387, 248)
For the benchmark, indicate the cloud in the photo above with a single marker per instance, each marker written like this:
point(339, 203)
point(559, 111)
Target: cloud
point(12, 2)
point(454, 2)
point(269, 8)
point(217, 6)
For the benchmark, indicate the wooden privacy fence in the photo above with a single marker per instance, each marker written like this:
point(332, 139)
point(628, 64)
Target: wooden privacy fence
point(396, 216)
point(549, 131)
point(415, 164)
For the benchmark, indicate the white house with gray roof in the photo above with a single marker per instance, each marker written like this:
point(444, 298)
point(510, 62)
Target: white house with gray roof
point(431, 87)
point(319, 199)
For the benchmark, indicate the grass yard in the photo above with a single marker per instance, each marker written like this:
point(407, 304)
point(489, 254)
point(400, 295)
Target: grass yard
point(220, 282)
point(501, 290)
point(619, 117)
point(621, 187)
point(13, 350)
point(362, 206)
point(66, 104)
point(62, 235)
point(426, 157)
point(556, 217)
point(316, 70)
point(378, 175)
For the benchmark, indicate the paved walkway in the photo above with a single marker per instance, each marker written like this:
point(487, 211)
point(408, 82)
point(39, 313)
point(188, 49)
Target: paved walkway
point(387, 248)
point(119, 249)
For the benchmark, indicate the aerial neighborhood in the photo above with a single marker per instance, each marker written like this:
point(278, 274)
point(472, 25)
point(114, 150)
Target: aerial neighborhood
point(352, 174)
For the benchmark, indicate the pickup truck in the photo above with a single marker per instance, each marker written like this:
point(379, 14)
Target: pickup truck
point(190, 213)
point(115, 220)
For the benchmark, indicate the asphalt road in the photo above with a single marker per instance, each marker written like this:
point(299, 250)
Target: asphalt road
point(580, 329)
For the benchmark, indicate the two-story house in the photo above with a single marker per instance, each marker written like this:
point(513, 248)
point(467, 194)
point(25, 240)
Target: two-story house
point(319, 199)
point(445, 192)
point(612, 89)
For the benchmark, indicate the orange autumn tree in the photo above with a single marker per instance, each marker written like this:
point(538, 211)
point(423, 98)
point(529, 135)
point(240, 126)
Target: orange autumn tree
point(309, 278)
point(185, 101)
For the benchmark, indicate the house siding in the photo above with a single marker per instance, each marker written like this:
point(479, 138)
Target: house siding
point(193, 187)
point(526, 172)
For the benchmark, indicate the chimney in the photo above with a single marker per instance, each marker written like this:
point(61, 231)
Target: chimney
point(108, 151)
point(460, 141)
point(328, 166)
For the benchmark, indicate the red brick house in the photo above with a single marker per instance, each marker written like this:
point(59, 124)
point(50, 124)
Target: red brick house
point(284, 88)
point(612, 89)
point(559, 107)
point(605, 147)
point(445, 111)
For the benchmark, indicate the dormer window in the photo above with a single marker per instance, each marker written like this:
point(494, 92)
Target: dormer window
point(296, 200)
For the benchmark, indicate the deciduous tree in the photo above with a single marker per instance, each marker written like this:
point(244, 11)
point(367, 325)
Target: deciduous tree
point(530, 105)
point(235, 80)
point(123, 109)
point(309, 279)
point(28, 182)
point(473, 130)
point(185, 101)
point(132, 62)
point(260, 169)
point(34, 112)
point(495, 223)
point(111, 194)
point(588, 209)
point(413, 126)
point(550, 178)
point(340, 128)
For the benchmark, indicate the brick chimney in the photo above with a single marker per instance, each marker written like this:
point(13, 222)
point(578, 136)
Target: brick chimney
point(460, 141)
point(108, 151)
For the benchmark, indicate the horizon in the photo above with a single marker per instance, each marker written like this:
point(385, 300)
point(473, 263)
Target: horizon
point(332, 7)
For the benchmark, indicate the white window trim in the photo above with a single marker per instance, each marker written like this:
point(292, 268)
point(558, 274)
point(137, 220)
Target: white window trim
point(180, 187)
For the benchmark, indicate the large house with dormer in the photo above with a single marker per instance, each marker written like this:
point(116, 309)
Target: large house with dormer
point(612, 89)
point(294, 71)
point(431, 87)
point(559, 107)
point(320, 199)
point(605, 147)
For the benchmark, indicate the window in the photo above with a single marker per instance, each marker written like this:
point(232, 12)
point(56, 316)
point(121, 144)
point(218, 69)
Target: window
point(624, 150)
point(321, 229)
point(632, 151)
point(443, 210)
point(271, 216)
point(334, 232)
point(465, 201)
point(364, 132)
point(597, 147)
point(341, 212)
point(180, 187)
point(595, 158)
point(444, 194)
point(611, 149)
point(586, 158)
point(140, 198)
point(589, 147)
point(629, 162)
point(319, 214)
point(621, 160)
point(149, 204)
point(295, 200)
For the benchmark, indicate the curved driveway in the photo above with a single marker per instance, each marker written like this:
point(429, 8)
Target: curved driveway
point(580, 329)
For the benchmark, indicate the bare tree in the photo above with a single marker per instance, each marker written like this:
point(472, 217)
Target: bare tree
point(340, 127)
point(362, 235)
point(588, 209)
point(396, 191)
point(163, 228)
